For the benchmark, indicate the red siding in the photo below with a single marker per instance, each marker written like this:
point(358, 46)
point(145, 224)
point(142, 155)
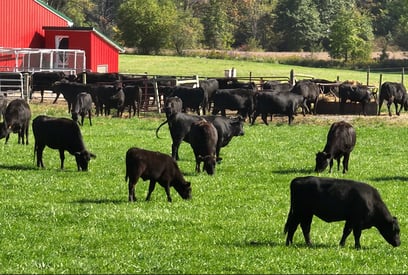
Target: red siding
point(97, 50)
point(21, 23)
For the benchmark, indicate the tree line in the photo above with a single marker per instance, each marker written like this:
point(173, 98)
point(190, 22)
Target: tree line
point(346, 29)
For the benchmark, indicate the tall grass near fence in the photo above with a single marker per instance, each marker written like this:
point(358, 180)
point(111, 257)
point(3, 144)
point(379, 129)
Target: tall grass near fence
point(55, 221)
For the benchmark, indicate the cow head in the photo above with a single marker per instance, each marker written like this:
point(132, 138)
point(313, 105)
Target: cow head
point(184, 189)
point(390, 230)
point(209, 163)
point(173, 105)
point(322, 161)
point(82, 159)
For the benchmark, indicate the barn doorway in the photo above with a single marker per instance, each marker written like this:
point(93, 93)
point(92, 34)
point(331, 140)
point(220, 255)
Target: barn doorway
point(61, 43)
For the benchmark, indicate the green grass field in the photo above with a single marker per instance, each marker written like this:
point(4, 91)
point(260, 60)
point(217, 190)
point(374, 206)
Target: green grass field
point(64, 221)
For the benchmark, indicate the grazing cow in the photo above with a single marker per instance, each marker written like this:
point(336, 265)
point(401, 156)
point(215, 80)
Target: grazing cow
point(209, 86)
point(133, 99)
point(43, 81)
point(3, 105)
point(393, 92)
point(277, 86)
point(203, 141)
point(180, 125)
point(277, 103)
point(62, 134)
point(17, 120)
point(118, 100)
point(192, 98)
point(69, 90)
point(357, 93)
point(341, 140)
point(82, 106)
point(156, 167)
point(330, 199)
point(240, 99)
point(310, 92)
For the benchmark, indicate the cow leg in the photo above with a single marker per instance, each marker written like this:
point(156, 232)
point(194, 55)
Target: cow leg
point(26, 135)
point(39, 149)
point(254, 116)
point(290, 227)
point(174, 150)
point(345, 162)
point(396, 108)
point(82, 119)
point(346, 232)
point(131, 185)
point(42, 96)
point(305, 225)
point(62, 157)
point(197, 168)
point(265, 118)
point(389, 107)
point(357, 235)
point(90, 115)
point(152, 185)
point(7, 138)
point(331, 165)
point(167, 189)
point(379, 106)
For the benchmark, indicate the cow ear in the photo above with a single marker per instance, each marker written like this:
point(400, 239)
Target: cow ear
point(77, 153)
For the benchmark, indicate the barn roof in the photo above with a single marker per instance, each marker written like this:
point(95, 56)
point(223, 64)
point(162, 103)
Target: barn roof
point(105, 38)
point(51, 9)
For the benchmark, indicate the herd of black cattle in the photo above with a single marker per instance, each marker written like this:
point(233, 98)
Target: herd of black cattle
point(359, 204)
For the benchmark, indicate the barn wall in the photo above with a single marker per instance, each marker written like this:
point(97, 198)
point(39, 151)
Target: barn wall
point(103, 53)
point(21, 23)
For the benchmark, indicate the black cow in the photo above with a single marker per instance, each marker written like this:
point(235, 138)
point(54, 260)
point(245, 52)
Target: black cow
point(105, 98)
point(3, 105)
point(310, 92)
point(180, 125)
point(192, 98)
point(277, 103)
point(118, 101)
point(62, 134)
point(133, 99)
point(341, 140)
point(354, 93)
point(203, 141)
point(95, 77)
point(17, 120)
point(41, 81)
point(393, 92)
point(69, 90)
point(240, 99)
point(233, 83)
point(330, 199)
point(277, 86)
point(156, 167)
point(82, 106)
point(209, 86)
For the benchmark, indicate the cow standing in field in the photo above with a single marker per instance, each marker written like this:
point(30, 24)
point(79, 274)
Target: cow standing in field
point(82, 106)
point(69, 90)
point(310, 92)
point(209, 86)
point(108, 96)
point(240, 99)
point(61, 134)
point(277, 103)
point(330, 199)
point(133, 99)
point(354, 93)
point(192, 98)
point(43, 81)
point(341, 140)
point(203, 141)
point(17, 120)
point(393, 92)
point(180, 125)
point(276, 86)
point(156, 167)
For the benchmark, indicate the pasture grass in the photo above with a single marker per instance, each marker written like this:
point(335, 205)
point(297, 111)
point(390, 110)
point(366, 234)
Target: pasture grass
point(205, 67)
point(64, 221)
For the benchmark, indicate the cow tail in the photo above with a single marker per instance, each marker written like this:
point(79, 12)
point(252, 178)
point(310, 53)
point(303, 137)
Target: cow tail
point(157, 130)
point(35, 151)
point(285, 230)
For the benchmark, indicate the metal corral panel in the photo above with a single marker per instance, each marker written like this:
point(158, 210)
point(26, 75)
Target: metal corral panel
point(22, 21)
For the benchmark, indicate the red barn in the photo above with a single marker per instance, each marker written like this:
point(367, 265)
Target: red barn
point(34, 24)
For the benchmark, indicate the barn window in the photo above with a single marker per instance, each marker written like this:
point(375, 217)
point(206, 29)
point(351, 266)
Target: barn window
point(102, 68)
point(62, 43)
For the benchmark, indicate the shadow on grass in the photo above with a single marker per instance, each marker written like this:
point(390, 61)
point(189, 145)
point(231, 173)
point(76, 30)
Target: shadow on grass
point(390, 178)
point(99, 201)
point(18, 167)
